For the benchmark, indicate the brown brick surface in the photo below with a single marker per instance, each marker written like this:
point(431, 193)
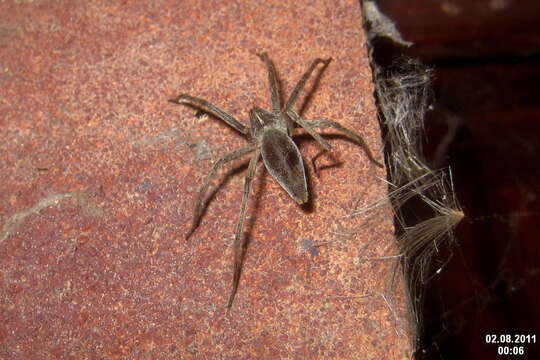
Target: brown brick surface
point(100, 173)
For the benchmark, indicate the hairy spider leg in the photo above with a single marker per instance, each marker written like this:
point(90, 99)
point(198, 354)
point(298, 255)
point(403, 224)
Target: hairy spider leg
point(212, 109)
point(294, 117)
point(238, 247)
point(272, 80)
point(200, 204)
point(300, 85)
point(321, 124)
point(292, 99)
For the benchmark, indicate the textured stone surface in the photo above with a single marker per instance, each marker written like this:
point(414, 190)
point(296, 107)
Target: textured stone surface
point(100, 174)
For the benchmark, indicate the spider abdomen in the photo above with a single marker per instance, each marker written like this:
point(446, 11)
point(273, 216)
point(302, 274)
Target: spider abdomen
point(284, 162)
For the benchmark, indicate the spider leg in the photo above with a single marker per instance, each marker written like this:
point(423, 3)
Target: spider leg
point(238, 243)
point(321, 124)
point(300, 85)
point(309, 128)
point(272, 80)
point(212, 109)
point(199, 207)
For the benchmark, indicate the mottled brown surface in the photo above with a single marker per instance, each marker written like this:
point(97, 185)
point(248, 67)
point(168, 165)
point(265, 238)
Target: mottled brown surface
point(100, 174)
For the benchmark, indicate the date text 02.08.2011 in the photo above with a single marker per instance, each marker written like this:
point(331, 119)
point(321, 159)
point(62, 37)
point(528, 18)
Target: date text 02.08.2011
point(511, 339)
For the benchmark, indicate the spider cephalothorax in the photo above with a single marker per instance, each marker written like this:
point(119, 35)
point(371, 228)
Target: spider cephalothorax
point(270, 136)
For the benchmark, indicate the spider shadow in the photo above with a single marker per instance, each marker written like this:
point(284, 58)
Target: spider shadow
point(335, 162)
point(310, 92)
point(261, 175)
point(225, 179)
point(250, 221)
point(238, 169)
point(259, 181)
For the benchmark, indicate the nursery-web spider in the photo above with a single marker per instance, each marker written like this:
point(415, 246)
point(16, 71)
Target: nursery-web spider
point(269, 137)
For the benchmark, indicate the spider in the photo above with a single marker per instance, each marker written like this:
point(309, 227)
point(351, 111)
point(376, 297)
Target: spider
point(270, 137)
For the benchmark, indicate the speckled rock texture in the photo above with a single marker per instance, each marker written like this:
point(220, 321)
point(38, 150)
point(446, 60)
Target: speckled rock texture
point(100, 175)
